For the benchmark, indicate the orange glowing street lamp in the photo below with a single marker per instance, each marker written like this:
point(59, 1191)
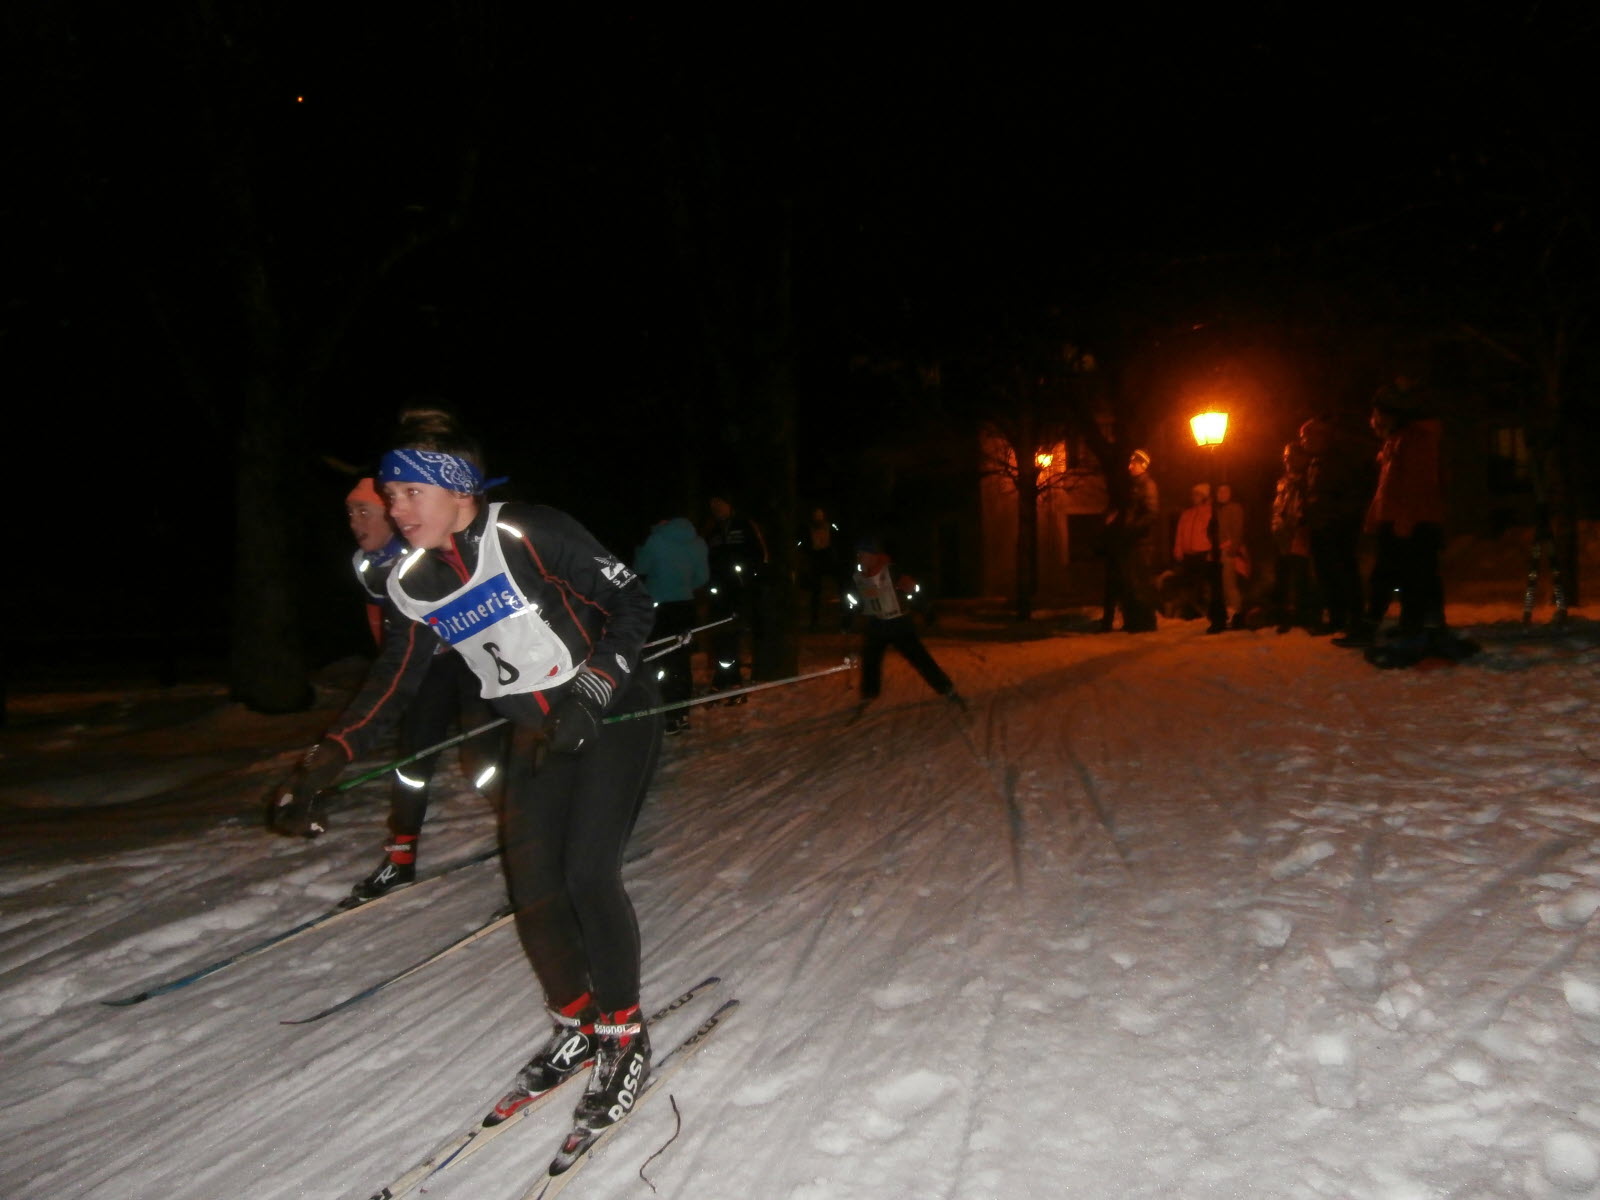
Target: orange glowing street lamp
point(1209, 428)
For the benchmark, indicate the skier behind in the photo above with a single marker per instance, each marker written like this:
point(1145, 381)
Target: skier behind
point(878, 590)
point(738, 554)
point(825, 563)
point(447, 691)
point(673, 564)
point(551, 625)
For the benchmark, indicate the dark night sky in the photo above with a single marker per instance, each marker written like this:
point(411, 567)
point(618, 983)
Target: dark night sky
point(939, 169)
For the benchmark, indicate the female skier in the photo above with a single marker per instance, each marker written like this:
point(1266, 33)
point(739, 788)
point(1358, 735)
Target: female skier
point(551, 625)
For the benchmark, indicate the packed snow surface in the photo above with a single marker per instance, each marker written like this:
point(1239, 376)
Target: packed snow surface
point(1164, 915)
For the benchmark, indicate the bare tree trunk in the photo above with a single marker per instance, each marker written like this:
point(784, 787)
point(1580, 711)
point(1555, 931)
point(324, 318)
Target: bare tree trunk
point(268, 668)
point(777, 653)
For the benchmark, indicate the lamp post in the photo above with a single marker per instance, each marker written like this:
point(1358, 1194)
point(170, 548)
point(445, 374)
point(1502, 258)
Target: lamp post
point(1209, 428)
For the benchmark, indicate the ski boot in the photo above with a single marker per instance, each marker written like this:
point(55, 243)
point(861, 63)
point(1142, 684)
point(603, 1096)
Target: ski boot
point(571, 1048)
point(397, 870)
point(621, 1069)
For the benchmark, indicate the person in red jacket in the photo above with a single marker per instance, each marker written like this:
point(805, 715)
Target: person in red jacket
point(1199, 570)
point(1407, 511)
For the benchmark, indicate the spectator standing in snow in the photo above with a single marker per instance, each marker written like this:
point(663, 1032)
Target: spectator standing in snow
point(1407, 511)
point(551, 625)
point(1195, 553)
point(738, 554)
point(674, 564)
point(1337, 489)
point(1235, 567)
point(447, 696)
point(883, 595)
point(1130, 547)
point(1291, 587)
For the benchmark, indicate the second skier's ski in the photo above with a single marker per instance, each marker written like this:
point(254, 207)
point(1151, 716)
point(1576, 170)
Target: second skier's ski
point(501, 918)
point(278, 939)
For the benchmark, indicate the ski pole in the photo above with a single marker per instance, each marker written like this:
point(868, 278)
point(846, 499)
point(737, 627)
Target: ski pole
point(679, 639)
point(345, 785)
point(676, 640)
point(849, 664)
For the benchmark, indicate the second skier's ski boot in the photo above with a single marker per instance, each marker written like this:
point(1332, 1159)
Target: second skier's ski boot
point(570, 1049)
point(621, 1069)
point(397, 870)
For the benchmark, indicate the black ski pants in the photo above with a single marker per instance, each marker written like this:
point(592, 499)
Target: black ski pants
point(675, 669)
point(1336, 566)
point(899, 632)
point(1292, 599)
point(1130, 586)
point(566, 821)
point(728, 599)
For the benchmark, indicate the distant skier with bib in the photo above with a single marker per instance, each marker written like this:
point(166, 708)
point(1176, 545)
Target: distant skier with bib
point(878, 590)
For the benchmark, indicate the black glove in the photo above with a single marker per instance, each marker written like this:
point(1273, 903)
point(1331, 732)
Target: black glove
point(297, 808)
point(575, 720)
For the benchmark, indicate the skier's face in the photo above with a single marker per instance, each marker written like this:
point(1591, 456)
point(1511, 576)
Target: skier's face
point(369, 523)
point(426, 514)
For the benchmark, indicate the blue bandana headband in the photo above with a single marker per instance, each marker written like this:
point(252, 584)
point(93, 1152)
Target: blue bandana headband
point(431, 466)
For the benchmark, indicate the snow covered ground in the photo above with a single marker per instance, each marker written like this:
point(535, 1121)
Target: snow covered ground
point(1164, 916)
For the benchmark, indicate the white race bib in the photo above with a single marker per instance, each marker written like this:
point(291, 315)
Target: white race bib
point(491, 624)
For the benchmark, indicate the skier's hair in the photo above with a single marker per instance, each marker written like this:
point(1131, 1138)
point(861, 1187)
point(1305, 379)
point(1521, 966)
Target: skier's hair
point(426, 415)
point(433, 428)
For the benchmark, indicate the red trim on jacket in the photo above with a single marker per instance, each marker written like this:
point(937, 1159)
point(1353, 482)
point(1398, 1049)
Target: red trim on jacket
point(383, 698)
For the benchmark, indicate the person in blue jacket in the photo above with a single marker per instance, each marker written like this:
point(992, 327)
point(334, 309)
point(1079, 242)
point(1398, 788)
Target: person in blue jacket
point(674, 564)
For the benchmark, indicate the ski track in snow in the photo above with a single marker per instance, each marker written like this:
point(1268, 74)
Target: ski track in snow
point(1162, 916)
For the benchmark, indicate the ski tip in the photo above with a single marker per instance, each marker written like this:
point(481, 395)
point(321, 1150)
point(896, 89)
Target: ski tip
point(125, 1001)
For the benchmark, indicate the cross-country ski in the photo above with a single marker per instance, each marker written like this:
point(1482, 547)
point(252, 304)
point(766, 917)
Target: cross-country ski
point(340, 911)
point(500, 920)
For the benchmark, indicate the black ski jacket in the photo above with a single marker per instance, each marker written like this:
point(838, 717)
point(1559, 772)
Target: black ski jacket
point(592, 602)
